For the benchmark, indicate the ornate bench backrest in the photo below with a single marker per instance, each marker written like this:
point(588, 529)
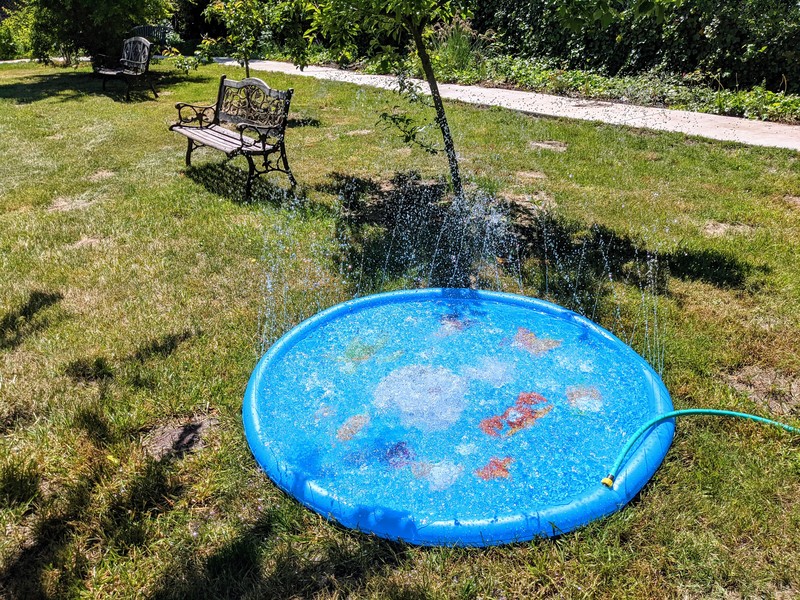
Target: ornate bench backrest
point(253, 102)
point(135, 55)
point(157, 34)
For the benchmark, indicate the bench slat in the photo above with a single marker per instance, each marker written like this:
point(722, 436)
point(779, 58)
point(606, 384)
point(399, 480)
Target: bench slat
point(219, 138)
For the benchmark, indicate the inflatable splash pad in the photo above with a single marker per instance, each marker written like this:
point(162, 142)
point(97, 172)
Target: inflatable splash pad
point(454, 417)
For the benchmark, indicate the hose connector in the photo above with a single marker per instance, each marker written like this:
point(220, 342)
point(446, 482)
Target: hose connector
point(608, 481)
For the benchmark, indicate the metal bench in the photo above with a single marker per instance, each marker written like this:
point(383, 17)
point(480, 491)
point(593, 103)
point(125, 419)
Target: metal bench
point(156, 34)
point(248, 119)
point(134, 64)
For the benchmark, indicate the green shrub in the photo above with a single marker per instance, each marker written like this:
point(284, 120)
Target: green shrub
point(69, 27)
point(458, 52)
point(15, 32)
point(743, 43)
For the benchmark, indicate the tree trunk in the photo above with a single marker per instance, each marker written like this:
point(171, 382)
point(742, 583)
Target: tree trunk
point(441, 118)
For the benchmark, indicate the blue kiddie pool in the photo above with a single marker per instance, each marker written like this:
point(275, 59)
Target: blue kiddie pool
point(454, 417)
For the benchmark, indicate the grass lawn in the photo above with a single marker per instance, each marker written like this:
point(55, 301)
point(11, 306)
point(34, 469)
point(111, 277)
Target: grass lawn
point(133, 307)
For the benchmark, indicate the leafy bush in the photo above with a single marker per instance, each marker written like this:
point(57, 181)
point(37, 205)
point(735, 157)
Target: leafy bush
point(458, 52)
point(15, 32)
point(68, 27)
point(743, 43)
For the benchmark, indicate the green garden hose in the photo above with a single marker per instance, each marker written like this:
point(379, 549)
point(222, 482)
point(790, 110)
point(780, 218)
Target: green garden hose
point(609, 479)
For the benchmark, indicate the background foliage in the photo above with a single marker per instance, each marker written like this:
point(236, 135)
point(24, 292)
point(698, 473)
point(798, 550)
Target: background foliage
point(743, 43)
point(15, 31)
point(68, 27)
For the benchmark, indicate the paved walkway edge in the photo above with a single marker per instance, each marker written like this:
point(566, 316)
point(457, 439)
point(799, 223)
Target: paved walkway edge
point(731, 129)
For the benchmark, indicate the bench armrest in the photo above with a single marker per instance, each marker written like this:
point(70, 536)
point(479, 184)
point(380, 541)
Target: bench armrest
point(194, 113)
point(99, 61)
point(266, 136)
point(135, 66)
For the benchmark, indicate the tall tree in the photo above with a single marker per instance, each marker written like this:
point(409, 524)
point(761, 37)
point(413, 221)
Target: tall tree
point(342, 22)
point(246, 21)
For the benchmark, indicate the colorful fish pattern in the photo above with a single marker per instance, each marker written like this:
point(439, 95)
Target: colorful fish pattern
point(450, 324)
point(537, 346)
point(517, 417)
point(496, 468)
point(585, 399)
point(351, 427)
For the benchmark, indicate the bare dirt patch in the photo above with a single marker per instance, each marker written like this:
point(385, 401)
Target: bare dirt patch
point(360, 132)
point(551, 145)
point(777, 391)
point(526, 207)
point(530, 175)
point(101, 175)
point(793, 201)
point(717, 229)
point(173, 440)
point(81, 201)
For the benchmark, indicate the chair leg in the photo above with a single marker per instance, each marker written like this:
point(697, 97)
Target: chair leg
point(152, 87)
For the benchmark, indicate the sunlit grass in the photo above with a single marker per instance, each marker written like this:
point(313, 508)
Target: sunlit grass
point(131, 298)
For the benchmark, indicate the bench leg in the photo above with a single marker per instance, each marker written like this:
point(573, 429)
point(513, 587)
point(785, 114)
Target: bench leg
point(189, 149)
point(250, 175)
point(152, 87)
point(285, 160)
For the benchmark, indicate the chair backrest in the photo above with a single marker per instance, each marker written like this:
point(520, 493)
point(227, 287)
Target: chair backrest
point(135, 54)
point(157, 34)
point(253, 102)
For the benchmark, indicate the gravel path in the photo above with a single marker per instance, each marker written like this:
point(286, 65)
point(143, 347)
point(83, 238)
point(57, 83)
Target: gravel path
point(745, 131)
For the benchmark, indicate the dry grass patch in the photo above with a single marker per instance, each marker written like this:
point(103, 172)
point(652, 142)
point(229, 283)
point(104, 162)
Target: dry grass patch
point(101, 175)
point(359, 132)
point(87, 242)
point(793, 201)
point(717, 229)
point(530, 175)
point(538, 201)
point(551, 145)
point(79, 202)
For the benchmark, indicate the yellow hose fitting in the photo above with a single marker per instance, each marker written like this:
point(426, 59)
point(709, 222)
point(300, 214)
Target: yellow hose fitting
point(608, 481)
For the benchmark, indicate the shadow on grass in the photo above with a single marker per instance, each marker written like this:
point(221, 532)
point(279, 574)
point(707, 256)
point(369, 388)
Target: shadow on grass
point(400, 230)
point(99, 370)
point(71, 84)
point(117, 516)
point(163, 346)
point(261, 563)
point(228, 181)
point(19, 482)
point(22, 322)
point(50, 536)
point(52, 559)
point(406, 232)
point(303, 122)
